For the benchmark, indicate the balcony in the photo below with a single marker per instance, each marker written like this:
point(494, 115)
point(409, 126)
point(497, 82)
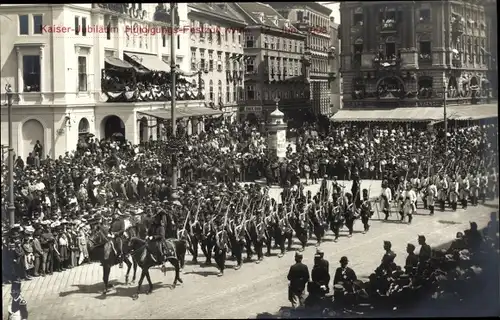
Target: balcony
point(386, 63)
point(388, 26)
point(424, 58)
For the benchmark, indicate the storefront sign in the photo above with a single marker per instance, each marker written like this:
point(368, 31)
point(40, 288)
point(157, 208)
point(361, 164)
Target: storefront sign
point(250, 109)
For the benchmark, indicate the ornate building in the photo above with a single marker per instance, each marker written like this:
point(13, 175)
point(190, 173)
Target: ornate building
point(407, 53)
point(274, 51)
point(313, 20)
point(216, 47)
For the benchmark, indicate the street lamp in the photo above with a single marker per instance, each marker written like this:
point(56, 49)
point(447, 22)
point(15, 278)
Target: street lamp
point(445, 118)
point(175, 145)
point(10, 208)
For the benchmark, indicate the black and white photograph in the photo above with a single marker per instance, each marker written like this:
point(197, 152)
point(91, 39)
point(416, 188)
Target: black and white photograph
point(249, 160)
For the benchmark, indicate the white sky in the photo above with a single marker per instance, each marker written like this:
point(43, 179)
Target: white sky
point(336, 9)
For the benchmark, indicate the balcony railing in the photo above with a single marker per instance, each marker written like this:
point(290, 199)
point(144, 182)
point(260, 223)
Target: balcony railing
point(425, 58)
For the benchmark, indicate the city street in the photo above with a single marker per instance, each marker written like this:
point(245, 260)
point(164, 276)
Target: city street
point(254, 289)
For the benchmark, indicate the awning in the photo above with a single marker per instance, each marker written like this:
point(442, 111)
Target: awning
point(181, 112)
point(118, 63)
point(397, 114)
point(150, 62)
point(473, 112)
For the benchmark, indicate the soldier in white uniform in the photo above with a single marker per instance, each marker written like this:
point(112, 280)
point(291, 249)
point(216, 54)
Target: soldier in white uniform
point(464, 188)
point(483, 186)
point(432, 193)
point(424, 183)
point(474, 181)
point(410, 197)
point(385, 199)
point(454, 189)
point(442, 191)
point(415, 183)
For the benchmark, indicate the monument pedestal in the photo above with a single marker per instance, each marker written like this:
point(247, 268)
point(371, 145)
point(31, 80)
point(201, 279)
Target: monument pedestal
point(277, 134)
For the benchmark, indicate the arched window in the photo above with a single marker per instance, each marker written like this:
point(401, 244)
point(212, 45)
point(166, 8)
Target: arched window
point(83, 126)
point(219, 91)
point(211, 90)
point(425, 87)
point(228, 92)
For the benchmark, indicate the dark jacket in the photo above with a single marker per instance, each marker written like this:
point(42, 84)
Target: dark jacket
point(346, 275)
point(425, 253)
point(320, 275)
point(298, 276)
point(411, 263)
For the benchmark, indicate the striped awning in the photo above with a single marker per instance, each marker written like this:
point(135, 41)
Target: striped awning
point(150, 62)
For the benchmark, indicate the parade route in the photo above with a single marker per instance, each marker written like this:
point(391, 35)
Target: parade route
point(254, 289)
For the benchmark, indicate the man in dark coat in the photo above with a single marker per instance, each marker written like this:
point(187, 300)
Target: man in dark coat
point(156, 235)
point(344, 275)
point(411, 260)
point(298, 277)
point(116, 230)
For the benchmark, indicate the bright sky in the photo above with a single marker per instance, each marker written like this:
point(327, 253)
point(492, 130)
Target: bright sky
point(336, 9)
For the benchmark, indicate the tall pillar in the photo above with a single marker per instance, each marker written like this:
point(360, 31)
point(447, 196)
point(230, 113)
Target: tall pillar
point(20, 67)
point(410, 11)
point(42, 74)
point(438, 49)
point(447, 36)
point(409, 54)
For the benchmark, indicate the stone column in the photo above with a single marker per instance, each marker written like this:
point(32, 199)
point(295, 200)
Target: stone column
point(437, 34)
point(412, 45)
point(447, 36)
point(20, 80)
point(42, 74)
point(409, 55)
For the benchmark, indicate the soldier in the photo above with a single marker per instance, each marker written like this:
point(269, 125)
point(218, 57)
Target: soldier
point(238, 242)
point(464, 188)
point(415, 186)
point(156, 234)
point(387, 265)
point(366, 211)
point(411, 260)
point(386, 198)
point(493, 185)
point(432, 192)
point(442, 191)
point(410, 207)
point(261, 237)
point(424, 184)
point(220, 249)
point(483, 187)
point(453, 193)
point(474, 182)
point(349, 213)
point(298, 277)
point(18, 308)
point(116, 231)
point(208, 230)
point(195, 233)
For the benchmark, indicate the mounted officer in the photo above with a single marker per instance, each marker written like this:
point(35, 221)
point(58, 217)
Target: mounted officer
point(156, 236)
point(117, 229)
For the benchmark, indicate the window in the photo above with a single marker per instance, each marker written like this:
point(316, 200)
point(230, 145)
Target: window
point(37, 24)
point(202, 84)
point(23, 25)
point(357, 19)
point(211, 90)
point(164, 40)
point(178, 42)
point(290, 46)
point(235, 92)
point(210, 61)
point(295, 43)
point(202, 60)
point(249, 43)
point(271, 40)
point(218, 37)
point(84, 27)
point(266, 44)
point(228, 62)
point(77, 25)
point(425, 15)
point(250, 93)
point(31, 73)
point(193, 59)
point(210, 36)
point(82, 73)
point(232, 36)
point(250, 65)
point(228, 93)
point(108, 31)
point(202, 31)
point(219, 91)
point(239, 38)
point(390, 50)
point(425, 50)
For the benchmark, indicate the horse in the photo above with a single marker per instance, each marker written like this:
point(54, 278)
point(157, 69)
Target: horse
point(143, 253)
point(103, 252)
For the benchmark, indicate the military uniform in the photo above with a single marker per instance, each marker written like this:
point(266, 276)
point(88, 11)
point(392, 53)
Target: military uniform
point(298, 275)
point(474, 182)
point(410, 197)
point(366, 211)
point(220, 249)
point(386, 198)
point(432, 193)
point(454, 187)
point(156, 234)
point(464, 189)
point(442, 191)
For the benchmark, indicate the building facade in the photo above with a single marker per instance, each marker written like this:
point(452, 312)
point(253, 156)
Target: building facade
point(334, 67)
point(410, 53)
point(313, 20)
point(274, 67)
point(216, 48)
point(56, 58)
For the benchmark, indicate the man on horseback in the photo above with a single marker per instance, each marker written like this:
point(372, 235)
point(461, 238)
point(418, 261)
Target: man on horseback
point(156, 235)
point(116, 231)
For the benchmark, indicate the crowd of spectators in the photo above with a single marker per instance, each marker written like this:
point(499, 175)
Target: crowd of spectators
point(52, 195)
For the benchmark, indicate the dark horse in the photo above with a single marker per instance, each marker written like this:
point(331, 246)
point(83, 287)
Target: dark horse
point(101, 250)
point(145, 254)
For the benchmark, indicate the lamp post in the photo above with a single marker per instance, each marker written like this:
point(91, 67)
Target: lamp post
point(277, 100)
point(173, 115)
point(10, 207)
point(445, 118)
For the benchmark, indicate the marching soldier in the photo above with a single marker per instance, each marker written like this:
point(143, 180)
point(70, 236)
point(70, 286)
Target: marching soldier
point(464, 188)
point(366, 211)
point(415, 185)
point(493, 185)
point(18, 308)
point(237, 242)
point(424, 183)
point(474, 182)
point(220, 249)
point(410, 198)
point(195, 233)
point(349, 213)
point(432, 193)
point(386, 198)
point(483, 187)
point(442, 191)
point(208, 233)
point(454, 193)
point(260, 229)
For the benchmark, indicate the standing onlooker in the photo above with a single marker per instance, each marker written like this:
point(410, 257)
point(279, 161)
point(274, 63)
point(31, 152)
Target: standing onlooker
point(82, 245)
point(38, 148)
point(38, 252)
point(298, 277)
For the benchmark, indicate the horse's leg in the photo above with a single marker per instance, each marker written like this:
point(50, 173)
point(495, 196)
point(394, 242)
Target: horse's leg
point(135, 270)
point(148, 277)
point(129, 266)
point(175, 263)
point(141, 279)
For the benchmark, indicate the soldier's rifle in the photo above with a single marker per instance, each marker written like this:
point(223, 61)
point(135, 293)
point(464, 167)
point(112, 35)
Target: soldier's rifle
point(227, 212)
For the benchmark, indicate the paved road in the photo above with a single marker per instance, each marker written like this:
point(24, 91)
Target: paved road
point(255, 288)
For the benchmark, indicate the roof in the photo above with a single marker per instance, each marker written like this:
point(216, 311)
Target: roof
point(418, 114)
point(300, 5)
point(254, 9)
point(217, 9)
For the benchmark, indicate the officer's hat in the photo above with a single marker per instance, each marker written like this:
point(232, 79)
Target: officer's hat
point(15, 287)
point(298, 255)
point(387, 243)
point(344, 259)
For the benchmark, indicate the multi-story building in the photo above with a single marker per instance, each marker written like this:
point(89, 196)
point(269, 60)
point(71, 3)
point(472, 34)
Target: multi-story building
point(313, 20)
point(274, 66)
point(334, 67)
point(216, 48)
point(396, 54)
point(58, 59)
point(490, 9)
